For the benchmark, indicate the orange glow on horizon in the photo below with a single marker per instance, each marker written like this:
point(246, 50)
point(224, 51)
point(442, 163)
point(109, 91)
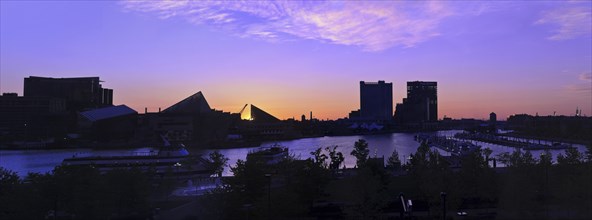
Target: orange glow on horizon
point(286, 101)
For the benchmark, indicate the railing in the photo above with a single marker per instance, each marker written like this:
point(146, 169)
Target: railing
point(151, 153)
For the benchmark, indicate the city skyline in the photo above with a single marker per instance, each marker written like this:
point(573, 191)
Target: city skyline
point(291, 58)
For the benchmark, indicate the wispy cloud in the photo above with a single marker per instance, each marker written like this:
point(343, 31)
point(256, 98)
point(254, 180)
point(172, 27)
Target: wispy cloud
point(585, 84)
point(373, 26)
point(572, 21)
point(586, 77)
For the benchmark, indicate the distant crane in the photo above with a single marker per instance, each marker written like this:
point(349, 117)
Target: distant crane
point(242, 109)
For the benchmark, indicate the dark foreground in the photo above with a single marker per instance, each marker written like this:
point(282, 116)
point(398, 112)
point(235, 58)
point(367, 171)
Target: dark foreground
point(529, 188)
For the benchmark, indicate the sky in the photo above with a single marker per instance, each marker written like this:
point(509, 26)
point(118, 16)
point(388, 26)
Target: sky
point(292, 57)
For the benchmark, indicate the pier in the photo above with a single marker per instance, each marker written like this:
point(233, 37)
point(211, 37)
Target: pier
point(524, 144)
point(454, 147)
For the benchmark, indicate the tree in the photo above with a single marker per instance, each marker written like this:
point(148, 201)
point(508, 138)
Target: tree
point(476, 180)
point(528, 159)
point(517, 159)
point(8, 180)
point(428, 166)
point(335, 156)
point(419, 160)
point(546, 158)
point(572, 157)
point(393, 161)
point(10, 200)
point(487, 153)
point(319, 158)
point(218, 162)
point(589, 153)
point(361, 152)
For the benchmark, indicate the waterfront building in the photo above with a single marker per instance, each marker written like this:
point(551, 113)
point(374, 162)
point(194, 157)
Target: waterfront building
point(493, 122)
point(190, 121)
point(80, 93)
point(492, 118)
point(108, 123)
point(38, 117)
point(376, 101)
point(194, 104)
point(264, 126)
point(552, 127)
point(421, 104)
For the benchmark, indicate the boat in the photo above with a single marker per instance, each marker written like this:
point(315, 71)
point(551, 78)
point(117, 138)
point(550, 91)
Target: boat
point(170, 160)
point(269, 155)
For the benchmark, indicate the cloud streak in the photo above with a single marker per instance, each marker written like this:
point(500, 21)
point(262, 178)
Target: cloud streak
point(373, 26)
point(586, 77)
point(585, 84)
point(571, 22)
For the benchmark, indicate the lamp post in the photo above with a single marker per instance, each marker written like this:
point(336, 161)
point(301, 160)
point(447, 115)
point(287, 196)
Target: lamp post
point(443, 196)
point(403, 205)
point(268, 176)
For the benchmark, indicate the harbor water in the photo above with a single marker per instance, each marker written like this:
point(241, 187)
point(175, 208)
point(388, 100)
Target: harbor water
point(41, 161)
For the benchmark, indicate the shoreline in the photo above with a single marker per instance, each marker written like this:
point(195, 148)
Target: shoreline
point(569, 141)
point(248, 144)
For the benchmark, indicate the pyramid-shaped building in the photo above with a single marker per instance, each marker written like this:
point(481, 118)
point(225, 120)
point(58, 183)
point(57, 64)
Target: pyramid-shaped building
point(260, 116)
point(193, 104)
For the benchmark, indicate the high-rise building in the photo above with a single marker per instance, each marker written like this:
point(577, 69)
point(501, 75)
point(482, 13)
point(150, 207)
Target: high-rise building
point(421, 104)
point(79, 93)
point(376, 100)
point(492, 117)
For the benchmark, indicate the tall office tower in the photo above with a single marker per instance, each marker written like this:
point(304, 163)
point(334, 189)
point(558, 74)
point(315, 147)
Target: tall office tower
point(421, 104)
point(425, 97)
point(79, 93)
point(376, 100)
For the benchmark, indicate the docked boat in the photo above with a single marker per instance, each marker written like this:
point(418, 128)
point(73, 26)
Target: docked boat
point(168, 161)
point(269, 155)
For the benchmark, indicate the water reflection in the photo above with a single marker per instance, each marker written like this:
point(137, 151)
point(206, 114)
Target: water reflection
point(41, 161)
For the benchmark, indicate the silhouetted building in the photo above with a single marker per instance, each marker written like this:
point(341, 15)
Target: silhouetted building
point(354, 114)
point(193, 104)
point(38, 117)
point(376, 100)
point(264, 126)
point(190, 121)
point(260, 116)
point(108, 123)
point(79, 93)
point(421, 104)
point(493, 122)
point(552, 127)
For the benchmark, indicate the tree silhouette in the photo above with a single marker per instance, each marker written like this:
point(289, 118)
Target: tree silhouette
point(319, 158)
point(361, 152)
point(572, 157)
point(335, 156)
point(393, 161)
point(218, 161)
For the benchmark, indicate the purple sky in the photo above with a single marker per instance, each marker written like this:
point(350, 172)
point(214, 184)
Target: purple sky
point(292, 57)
